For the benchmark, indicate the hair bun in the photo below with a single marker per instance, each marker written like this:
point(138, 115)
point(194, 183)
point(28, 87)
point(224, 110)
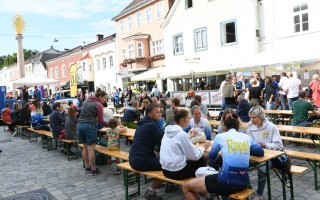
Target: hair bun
point(235, 116)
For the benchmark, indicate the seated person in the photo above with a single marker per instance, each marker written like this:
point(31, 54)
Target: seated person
point(233, 176)
point(145, 103)
point(24, 115)
point(71, 124)
point(267, 135)
point(37, 118)
point(130, 115)
point(204, 108)
point(142, 156)
point(199, 122)
point(175, 102)
point(300, 109)
point(179, 158)
point(154, 100)
point(46, 109)
point(143, 97)
point(14, 117)
point(113, 136)
point(164, 106)
point(6, 113)
point(190, 93)
point(57, 120)
point(227, 113)
point(243, 108)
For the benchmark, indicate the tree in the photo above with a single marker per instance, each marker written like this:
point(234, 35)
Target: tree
point(12, 59)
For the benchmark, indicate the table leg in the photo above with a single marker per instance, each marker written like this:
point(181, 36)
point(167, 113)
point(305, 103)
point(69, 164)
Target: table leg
point(268, 180)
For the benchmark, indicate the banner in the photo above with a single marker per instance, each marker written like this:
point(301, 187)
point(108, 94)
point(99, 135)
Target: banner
point(73, 80)
point(216, 98)
point(204, 97)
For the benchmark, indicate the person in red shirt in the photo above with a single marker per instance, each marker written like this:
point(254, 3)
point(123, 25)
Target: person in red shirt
point(6, 113)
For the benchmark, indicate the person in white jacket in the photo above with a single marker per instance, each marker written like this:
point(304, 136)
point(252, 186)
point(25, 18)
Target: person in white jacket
point(179, 158)
point(267, 135)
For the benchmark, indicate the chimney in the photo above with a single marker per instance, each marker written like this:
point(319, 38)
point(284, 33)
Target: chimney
point(99, 37)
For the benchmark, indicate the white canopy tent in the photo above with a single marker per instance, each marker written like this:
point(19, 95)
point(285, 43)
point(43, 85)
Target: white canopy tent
point(151, 74)
point(34, 80)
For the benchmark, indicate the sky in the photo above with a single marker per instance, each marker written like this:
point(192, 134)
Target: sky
point(72, 22)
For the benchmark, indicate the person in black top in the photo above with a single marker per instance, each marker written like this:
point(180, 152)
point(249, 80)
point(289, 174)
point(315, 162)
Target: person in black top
point(25, 95)
point(255, 93)
point(201, 84)
point(46, 109)
point(143, 97)
point(270, 94)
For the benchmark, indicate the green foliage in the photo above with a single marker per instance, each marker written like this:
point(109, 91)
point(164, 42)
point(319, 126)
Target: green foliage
point(7, 60)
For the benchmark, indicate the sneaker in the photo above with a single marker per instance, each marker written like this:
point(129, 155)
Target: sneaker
point(87, 170)
point(149, 195)
point(171, 187)
point(95, 172)
point(257, 197)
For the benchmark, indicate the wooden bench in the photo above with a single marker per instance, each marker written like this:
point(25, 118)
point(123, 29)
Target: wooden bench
point(299, 140)
point(21, 128)
point(312, 159)
point(47, 138)
point(294, 170)
point(159, 175)
point(5, 124)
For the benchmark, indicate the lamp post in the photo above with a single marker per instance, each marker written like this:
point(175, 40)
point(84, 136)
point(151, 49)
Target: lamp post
point(18, 24)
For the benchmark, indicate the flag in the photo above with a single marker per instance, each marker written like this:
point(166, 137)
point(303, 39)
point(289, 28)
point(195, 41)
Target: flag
point(73, 80)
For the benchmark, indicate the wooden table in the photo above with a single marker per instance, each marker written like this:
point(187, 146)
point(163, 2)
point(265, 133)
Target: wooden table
point(214, 114)
point(130, 132)
point(117, 115)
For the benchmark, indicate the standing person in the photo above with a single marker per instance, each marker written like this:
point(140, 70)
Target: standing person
point(121, 96)
point(91, 115)
point(25, 95)
point(267, 135)
point(116, 98)
point(155, 91)
point(228, 94)
point(179, 158)
point(142, 156)
point(129, 94)
point(300, 109)
point(270, 94)
point(233, 176)
point(223, 105)
point(255, 93)
point(315, 87)
point(283, 96)
point(201, 84)
point(259, 80)
point(292, 88)
point(37, 94)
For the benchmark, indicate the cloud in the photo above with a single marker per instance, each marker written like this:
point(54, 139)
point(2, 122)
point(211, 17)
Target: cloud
point(73, 9)
point(102, 25)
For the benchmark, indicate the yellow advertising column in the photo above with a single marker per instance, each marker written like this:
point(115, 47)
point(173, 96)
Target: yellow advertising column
point(73, 80)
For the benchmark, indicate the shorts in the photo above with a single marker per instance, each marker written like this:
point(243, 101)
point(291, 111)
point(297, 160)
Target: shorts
point(150, 164)
point(213, 185)
point(87, 133)
point(187, 172)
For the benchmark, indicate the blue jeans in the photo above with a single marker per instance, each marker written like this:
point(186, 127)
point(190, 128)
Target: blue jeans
point(223, 104)
point(283, 98)
point(290, 100)
point(232, 106)
point(262, 178)
point(303, 123)
point(271, 106)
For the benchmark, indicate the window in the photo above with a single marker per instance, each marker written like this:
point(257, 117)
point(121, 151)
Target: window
point(130, 51)
point(157, 47)
point(90, 67)
point(140, 50)
point(83, 66)
point(64, 75)
point(111, 61)
point(177, 44)
point(149, 15)
point(57, 72)
point(228, 32)
point(104, 62)
point(300, 18)
point(130, 26)
point(124, 54)
point(189, 4)
point(139, 19)
point(200, 39)
point(122, 26)
point(98, 64)
point(159, 10)
point(51, 73)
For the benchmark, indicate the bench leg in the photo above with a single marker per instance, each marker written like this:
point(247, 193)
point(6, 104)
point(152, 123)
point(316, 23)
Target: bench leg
point(291, 186)
point(268, 180)
point(126, 182)
point(315, 174)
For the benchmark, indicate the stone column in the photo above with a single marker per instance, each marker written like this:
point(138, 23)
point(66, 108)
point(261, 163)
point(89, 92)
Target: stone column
point(20, 56)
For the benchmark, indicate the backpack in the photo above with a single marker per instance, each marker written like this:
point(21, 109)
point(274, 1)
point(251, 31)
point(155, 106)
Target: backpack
point(282, 163)
point(309, 92)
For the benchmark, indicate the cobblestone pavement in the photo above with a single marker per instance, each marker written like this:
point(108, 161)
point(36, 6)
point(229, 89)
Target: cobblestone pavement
point(26, 166)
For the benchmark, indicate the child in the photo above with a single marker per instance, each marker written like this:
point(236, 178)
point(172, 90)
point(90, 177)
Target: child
point(70, 128)
point(113, 136)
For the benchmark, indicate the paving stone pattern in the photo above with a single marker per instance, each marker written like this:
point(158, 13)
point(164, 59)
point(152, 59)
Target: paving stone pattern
point(25, 166)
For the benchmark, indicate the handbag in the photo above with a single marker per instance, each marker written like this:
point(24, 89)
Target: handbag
point(282, 163)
